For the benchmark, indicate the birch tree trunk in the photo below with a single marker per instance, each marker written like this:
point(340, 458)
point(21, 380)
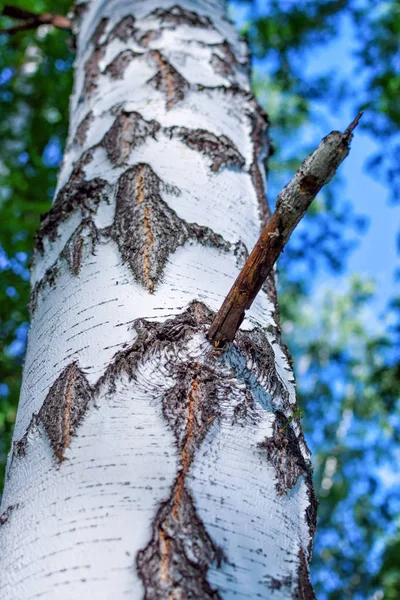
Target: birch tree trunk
point(145, 463)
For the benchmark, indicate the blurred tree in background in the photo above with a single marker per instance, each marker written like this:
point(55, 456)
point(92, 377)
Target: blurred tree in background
point(348, 371)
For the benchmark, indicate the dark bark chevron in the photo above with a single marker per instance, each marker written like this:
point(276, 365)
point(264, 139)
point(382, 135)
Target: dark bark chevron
point(128, 131)
point(77, 194)
point(61, 413)
point(168, 80)
point(176, 15)
point(220, 149)
point(73, 249)
point(124, 30)
point(117, 67)
point(82, 129)
point(146, 230)
point(225, 62)
point(92, 70)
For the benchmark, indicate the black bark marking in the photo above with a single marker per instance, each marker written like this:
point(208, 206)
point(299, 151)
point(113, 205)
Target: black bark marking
point(311, 511)
point(221, 66)
point(73, 249)
point(304, 590)
point(99, 31)
point(175, 16)
point(278, 584)
point(4, 517)
point(146, 230)
point(224, 61)
point(179, 554)
point(259, 137)
point(254, 346)
point(168, 80)
point(128, 131)
point(283, 452)
point(82, 129)
point(77, 194)
point(61, 413)
point(124, 30)
point(220, 149)
point(92, 70)
point(48, 279)
point(233, 90)
point(116, 68)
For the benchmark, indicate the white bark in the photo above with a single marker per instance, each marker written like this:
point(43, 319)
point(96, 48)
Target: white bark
point(145, 464)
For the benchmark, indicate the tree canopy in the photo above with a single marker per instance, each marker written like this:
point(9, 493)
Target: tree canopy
point(348, 372)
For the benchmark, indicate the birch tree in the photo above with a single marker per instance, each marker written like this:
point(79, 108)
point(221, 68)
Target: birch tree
point(149, 461)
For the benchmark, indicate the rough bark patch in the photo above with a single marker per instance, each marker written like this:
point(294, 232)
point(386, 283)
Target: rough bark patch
point(283, 452)
point(168, 80)
point(48, 279)
point(152, 337)
point(77, 194)
point(116, 68)
point(304, 590)
point(92, 70)
point(146, 230)
point(174, 564)
point(73, 249)
point(311, 512)
point(62, 412)
point(82, 129)
point(176, 15)
point(220, 149)
point(224, 61)
point(124, 30)
point(255, 347)
point(128, 131)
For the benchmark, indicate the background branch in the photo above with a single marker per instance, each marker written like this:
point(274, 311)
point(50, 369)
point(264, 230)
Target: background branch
point(292, 203)
point(32, 20)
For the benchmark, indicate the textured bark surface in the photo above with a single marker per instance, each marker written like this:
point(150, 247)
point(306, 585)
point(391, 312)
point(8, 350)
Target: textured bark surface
point(146, 464)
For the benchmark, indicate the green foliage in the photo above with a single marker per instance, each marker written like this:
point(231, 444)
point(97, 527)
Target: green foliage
point(350, 389)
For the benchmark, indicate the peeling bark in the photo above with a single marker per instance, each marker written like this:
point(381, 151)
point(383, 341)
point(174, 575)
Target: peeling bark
point(145, 463)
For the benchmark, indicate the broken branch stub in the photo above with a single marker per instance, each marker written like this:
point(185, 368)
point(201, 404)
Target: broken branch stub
point(292, 203)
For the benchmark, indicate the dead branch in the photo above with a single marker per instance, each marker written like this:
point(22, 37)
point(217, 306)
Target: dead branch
point(292, 203)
